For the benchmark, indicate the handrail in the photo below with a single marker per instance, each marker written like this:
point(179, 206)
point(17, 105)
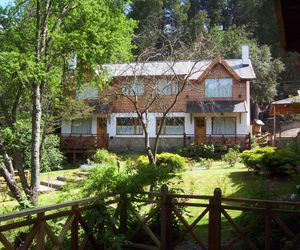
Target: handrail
point(44, 209)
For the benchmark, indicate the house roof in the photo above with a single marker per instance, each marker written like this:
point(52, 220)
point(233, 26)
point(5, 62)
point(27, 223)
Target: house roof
point(189, 69)
point(284, 101)
point(216, 107)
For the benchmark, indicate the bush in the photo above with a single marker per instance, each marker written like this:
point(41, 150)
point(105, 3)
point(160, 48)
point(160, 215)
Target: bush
point(19, 138)
point(102, 156)
point(198, 151)
point(52, 157)
point(232, 156)
point(270, 161)
point(174, 162)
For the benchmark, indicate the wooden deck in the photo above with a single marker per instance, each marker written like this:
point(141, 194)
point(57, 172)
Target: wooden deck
point(82, 143)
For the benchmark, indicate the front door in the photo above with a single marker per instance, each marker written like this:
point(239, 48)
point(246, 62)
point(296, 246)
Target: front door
point(200, 131)
point(101, 132)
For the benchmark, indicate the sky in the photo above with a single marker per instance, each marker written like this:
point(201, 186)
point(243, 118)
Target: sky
point(5, 2)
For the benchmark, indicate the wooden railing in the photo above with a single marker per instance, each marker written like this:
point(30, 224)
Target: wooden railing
point(81, 143)
point(80, 231)
point(230, 140)
point(227, 140)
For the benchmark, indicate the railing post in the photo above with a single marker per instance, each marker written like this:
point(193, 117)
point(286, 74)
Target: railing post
point(74, 229)
point(268, 228)
point(214, 226)
point(184, 140)
point(165, 219)
point(40, 236)
point(123, 213)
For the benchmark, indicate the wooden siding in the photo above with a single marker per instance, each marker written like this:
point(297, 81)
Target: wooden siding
point(193, 91)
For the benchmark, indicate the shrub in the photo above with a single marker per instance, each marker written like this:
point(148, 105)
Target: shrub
point(19, 138)
point(52, 157)
point(232, 156)
point(102, 156)
point(270, 161)
point(174, 162)
point(198, 151)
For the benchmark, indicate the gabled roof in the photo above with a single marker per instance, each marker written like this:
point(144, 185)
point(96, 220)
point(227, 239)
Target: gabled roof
point(190, 69)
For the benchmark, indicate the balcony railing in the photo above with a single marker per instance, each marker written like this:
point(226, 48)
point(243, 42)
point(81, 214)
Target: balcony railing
point(81, 143)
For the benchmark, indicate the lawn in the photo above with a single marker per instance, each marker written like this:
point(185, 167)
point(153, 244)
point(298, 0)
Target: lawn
point(234, 182)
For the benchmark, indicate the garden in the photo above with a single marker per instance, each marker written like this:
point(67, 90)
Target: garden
point(261, 173)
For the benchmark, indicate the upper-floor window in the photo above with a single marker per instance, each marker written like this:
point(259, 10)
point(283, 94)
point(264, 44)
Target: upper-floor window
point(218, 87)
point(81, 126)
point(133, 89)
point(223, 125)
point(87, 92)
point(165, 87)
point(129, 126)
point(171, 126)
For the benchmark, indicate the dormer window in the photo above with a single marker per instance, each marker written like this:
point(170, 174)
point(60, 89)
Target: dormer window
point(165, 87)
point(218, 87)
point(133, 89)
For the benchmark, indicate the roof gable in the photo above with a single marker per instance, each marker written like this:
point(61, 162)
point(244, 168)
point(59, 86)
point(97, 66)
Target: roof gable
point(216, 61)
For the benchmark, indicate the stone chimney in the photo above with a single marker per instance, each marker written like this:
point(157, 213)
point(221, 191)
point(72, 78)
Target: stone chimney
point(245, 55)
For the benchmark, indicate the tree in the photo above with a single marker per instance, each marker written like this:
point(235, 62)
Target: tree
point(152, 95)
point(45, 35)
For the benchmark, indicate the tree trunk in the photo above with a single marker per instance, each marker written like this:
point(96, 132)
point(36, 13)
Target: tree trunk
point(11, 183)
point(35, 146)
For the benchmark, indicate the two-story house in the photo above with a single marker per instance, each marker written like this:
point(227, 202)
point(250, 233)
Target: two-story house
point(212, 105)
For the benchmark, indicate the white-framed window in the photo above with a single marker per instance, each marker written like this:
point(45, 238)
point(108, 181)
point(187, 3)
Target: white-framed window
point(133, 89)
point(87, 92)
point(129, 126)
point(171, 126)
point(218, 87)
point(81, 126)
point(165, 87)
point(223, 125)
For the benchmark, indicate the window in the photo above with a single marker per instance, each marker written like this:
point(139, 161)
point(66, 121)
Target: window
point(81, 126)
point(172, 126)
point(133, 89)
point(223, 125)
point(167, 88)
point(87, 92)
point(218, 87)
point(129, 126)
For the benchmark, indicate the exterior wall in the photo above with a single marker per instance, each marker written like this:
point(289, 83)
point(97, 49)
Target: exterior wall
point(193, 91)
point(128, 144)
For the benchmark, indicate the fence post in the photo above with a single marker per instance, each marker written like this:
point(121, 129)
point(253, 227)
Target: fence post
point(165, 219)
point(74, 229)
point(123, 213)
point(40, 237)
point(214, 226)
point(268, 228)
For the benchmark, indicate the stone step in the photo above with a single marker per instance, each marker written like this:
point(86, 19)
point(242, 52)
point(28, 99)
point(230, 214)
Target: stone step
point(45, 189)
point(69, 179)
point(54, 184)
point(82, 174)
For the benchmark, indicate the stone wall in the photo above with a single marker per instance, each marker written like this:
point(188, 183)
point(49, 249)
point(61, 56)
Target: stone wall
point(130, 144)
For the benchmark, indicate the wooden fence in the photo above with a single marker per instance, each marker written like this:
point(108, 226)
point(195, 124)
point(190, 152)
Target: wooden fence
point(80, 230)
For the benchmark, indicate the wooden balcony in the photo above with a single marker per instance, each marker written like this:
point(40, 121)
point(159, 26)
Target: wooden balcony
point(82, 143)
